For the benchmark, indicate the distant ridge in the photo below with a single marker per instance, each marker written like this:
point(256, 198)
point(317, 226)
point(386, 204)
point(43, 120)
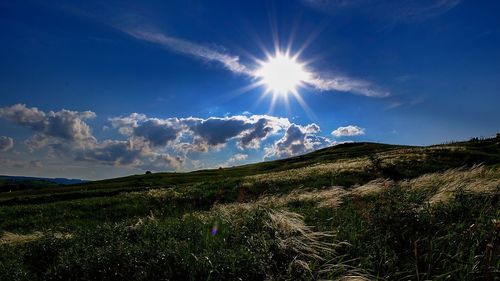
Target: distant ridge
point(63, 181)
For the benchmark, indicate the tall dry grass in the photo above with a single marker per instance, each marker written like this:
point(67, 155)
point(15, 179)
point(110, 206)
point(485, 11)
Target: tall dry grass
point(443, 185)
point(319, 170)
point(16, 238)
point(373, 187)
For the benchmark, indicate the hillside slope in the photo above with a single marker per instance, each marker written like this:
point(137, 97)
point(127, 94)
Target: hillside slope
point(409, 163)
point(360, 210)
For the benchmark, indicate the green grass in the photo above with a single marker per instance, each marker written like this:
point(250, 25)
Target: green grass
point(9, 185)
point(275, 220)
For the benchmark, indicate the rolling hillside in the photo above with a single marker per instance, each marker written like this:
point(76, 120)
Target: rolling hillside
point(357, 210)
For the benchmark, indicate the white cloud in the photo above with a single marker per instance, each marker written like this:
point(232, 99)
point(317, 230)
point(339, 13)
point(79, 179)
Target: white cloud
point(297, 140)
point(6, 143)
point(348, 131)
point(237, 158)
point(36, 142)
point(63, 125)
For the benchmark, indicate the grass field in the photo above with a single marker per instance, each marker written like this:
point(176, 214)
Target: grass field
point(357, 211)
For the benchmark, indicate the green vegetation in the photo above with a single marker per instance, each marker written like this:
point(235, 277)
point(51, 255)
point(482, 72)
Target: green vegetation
point(8, 185)
point(359, 211)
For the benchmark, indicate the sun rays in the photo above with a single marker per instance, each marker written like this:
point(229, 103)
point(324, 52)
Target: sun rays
point(282, 74)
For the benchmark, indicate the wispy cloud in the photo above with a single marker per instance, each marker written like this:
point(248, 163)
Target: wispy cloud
point(418, 11)
point(393, 11)
point(346, 84)
point(233, 63)
point(230, 62)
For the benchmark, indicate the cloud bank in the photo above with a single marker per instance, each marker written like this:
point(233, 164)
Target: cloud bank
point(160, 144)
point(197, 134)
point(63, 125)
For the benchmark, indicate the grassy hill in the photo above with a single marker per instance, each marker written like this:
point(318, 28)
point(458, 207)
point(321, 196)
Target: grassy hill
point(15, 183)
point(9, 184)
point(357, 210)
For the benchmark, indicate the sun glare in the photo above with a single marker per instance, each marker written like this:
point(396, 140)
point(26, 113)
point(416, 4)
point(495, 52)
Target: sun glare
point(282, 74)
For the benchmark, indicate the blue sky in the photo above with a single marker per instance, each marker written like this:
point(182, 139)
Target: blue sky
point(96, 90)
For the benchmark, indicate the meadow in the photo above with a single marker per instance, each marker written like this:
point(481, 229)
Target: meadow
point(356, 211)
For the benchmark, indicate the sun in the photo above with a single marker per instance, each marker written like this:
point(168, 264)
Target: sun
point(282, 74)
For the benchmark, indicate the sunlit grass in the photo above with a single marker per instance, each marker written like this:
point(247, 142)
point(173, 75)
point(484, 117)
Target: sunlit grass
point(412, 213)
